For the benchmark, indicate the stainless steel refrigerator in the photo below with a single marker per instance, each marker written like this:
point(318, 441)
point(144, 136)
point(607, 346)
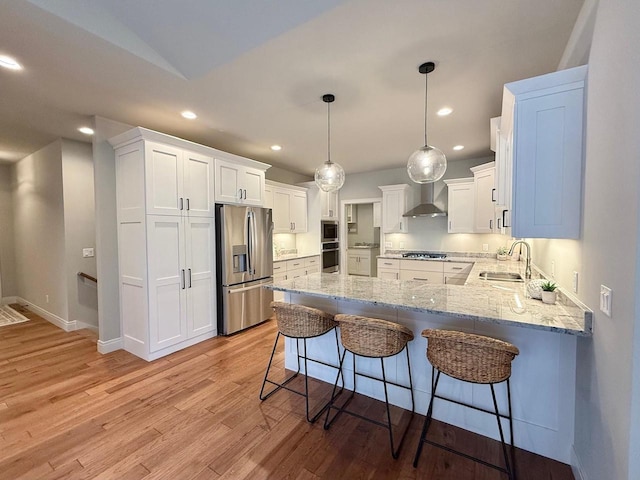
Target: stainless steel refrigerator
point(244, 264)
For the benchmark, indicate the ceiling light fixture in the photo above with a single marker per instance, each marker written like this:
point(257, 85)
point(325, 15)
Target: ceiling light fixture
point(427, 164)
point(9, 62)
point(444, 111)
point(329, 176)
point(86, 130)
point(459, 147)
point(276, 148)
point(189, 115)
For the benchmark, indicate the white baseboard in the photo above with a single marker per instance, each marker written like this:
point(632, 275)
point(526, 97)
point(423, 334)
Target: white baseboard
point(576, 465)
point(109, 346)
point(59, 322)
point(80, 325)
point(8, 300)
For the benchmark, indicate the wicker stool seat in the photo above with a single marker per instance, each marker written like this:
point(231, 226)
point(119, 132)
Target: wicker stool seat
point(372, 338)
point(300, 322)
point(476, 359)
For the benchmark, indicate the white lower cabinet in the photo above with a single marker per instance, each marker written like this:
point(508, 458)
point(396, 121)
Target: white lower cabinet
point(362, 262)
point(432, 272)
point(181, 279)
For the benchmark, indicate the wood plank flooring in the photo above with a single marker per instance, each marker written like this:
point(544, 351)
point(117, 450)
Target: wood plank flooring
point(68, 412)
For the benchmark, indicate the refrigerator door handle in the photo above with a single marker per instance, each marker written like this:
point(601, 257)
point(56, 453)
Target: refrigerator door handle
point(246, 289)
point(249, 243)
point(254, 240)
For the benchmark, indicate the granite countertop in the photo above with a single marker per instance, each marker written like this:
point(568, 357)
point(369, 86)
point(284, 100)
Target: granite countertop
point(294, 256)
point(364, 247)
point(495, 302)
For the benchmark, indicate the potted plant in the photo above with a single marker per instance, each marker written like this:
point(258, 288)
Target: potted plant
point(549, 292)
point(503, 253)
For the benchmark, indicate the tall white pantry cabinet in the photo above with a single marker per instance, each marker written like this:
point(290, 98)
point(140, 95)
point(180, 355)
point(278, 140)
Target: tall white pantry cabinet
point(166, 242)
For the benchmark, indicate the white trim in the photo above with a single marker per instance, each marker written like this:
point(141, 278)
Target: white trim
point(109, 346)
point(8, 300)
point(80, 325)
point(59, 322)
point(576, 465)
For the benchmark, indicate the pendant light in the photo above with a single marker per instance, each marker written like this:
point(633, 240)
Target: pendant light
point(427, 164)
point(329, 176)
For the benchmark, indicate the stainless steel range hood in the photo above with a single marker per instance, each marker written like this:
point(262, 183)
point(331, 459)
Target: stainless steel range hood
point(426, 207)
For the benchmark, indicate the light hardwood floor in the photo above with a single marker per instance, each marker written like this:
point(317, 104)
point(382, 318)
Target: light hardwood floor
point(68, 412)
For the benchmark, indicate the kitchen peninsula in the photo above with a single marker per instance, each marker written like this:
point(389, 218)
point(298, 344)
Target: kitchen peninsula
point(543, 379)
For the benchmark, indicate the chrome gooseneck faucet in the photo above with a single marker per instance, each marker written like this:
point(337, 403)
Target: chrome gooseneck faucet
point(527, 271)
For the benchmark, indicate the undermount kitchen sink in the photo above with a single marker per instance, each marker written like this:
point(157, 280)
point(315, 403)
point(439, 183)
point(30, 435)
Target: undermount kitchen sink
point(501, 276)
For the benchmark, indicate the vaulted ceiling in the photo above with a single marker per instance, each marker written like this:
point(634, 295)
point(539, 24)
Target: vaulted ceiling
point(255, 71)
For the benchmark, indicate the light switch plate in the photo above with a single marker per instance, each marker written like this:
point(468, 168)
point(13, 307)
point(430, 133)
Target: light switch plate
point(605, 300)
point(485, 247)
point(88, 253)
point(575, 282)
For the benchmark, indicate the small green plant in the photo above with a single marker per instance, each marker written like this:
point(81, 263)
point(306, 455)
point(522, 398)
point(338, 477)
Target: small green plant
point(549, 286)
point(503, 251)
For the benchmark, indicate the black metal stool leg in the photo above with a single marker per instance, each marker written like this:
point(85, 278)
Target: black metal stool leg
point(504, 445)
point(513, 453)
point(427, 420)
point(327, 422)
point(266, 374)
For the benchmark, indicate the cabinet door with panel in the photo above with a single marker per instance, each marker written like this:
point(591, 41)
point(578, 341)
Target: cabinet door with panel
point(434, 278)
point(198, 184)
point(484, 193)
point(394, 205)
point(299, 211)
point(353, 263)
point(200, 275)
point(461, 211)
point(329, 205)
point(236, 183)
point(282, 211)
point(252, 186)
point(164, 172)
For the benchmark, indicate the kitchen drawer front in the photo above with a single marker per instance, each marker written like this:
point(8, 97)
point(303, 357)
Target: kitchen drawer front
point(279, 267)
point(312, 261)
point(296, 272)
point(455, 278)
point(312, 269)
point(388, 263)
point(458, 267)
point(279, 276)
point(434, 278)
point(422, 266)
point(294, 264)
point(388, 274)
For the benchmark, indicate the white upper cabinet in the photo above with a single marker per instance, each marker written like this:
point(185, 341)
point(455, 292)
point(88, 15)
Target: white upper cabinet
point(461, 212)
point(377, 214)
point(237, 183)
point(289, 205)
point(177, 181)
point(484, 194)
point(395, 199)
point(542, 133)
point(328, 205)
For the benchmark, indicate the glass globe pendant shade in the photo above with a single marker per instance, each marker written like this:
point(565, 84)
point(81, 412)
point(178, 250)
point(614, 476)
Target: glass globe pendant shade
point(329, 176)
point(427, 165)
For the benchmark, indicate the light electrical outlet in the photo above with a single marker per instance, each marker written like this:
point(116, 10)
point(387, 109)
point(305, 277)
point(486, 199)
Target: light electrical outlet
point(485, 247)
point(401, 245)
point(88, 253)
point(46, 298)
point(553, 268)
point(575, 282)
point(605, 300)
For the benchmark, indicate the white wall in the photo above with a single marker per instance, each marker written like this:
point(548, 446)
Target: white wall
point(7, 262)
point(607, 437)
point(106, 227)
point(424, 233)
point(281, 175)
point(39, 230)
point(79, 230)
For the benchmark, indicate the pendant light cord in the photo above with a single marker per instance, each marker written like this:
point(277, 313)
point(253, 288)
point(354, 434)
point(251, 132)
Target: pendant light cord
point(328, 132)
point(426, 84)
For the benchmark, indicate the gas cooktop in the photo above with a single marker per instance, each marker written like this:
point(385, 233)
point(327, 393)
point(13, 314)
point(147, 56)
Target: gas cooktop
point(423, 255)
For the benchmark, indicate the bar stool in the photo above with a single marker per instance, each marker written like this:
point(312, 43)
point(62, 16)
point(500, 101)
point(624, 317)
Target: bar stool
point(372, 338)
point(475, 359)
point(300, 323)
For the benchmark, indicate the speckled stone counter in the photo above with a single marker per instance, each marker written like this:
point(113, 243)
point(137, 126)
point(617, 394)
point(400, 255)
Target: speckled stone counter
point(496, 302)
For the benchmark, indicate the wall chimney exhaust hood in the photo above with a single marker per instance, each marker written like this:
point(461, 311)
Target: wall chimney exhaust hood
point(426, 207)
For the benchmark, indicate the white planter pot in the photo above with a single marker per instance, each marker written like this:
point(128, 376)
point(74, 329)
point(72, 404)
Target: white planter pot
point(549, 297)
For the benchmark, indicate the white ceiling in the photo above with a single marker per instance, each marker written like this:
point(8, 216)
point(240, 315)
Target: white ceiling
point(255, 71)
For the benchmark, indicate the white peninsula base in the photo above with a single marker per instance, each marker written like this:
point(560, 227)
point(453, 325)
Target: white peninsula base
point(542, 380)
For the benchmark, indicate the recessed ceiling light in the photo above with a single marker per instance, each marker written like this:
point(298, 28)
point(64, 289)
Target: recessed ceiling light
point(276, 148)
point(458, 147)
point(189, 115)
point(444, 111)
point(86, 130)
point(8, 62)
